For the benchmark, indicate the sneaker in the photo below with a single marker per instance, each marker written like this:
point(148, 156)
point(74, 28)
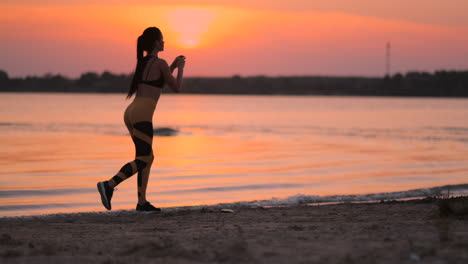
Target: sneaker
point(147, 207)
point(106, 193)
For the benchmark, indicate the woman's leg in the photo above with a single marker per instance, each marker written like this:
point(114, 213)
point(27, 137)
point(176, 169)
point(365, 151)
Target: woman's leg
point(141, 132)
point(143, 139)
point(140, 126)
point(143, 177)
point(141, 164)
point(130, 168)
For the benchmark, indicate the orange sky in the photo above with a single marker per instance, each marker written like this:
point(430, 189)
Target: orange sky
point(222, 38)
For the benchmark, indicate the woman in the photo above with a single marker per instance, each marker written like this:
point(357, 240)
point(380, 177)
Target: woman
point(148, 80)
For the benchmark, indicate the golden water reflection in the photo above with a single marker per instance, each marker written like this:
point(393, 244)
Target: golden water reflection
point(245, 150)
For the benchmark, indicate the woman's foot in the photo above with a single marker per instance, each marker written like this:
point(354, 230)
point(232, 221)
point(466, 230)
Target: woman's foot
point(106, 193)
point(147, 207)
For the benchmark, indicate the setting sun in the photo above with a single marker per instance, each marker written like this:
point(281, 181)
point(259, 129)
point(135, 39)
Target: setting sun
point(189, 24)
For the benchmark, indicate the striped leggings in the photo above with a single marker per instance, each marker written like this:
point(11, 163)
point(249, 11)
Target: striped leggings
point(138, 118)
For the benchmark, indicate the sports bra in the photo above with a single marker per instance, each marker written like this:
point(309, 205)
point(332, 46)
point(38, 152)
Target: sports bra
point(156, 83)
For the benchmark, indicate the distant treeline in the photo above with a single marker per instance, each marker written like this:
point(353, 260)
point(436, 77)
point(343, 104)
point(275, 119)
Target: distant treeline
point(438, 84)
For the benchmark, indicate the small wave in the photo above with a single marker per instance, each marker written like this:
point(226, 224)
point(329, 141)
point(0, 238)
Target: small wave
point(14, 124)
point(45, 192)
point(234, 188)
point(165, 131)
point(423, 134)
point(22, 207)
point(448, 128)
point(109, 129)
point(300, 199)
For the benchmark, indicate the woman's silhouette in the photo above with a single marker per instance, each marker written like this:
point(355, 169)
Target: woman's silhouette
point(148, 80)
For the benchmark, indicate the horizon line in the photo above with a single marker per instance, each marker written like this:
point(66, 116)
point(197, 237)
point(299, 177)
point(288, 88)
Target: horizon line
point(242, 76)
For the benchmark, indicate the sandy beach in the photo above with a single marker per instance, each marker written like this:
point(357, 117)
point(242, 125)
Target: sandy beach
point(393, 232)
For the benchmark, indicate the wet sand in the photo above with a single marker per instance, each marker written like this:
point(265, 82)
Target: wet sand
point(400, 232)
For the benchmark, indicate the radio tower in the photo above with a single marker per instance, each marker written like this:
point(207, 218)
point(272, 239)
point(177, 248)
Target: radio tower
point(387, 63)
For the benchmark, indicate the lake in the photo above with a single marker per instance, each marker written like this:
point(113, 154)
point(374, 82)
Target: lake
point(211, 149)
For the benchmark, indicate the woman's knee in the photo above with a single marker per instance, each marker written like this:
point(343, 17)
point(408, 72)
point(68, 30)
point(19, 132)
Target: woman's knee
point(143, 163)
point(140, 164)
point(150, 159)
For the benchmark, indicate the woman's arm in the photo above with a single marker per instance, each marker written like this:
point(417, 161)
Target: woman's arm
point(176, 85)
point(173, 66)
point(175, 63)
point(180, 75)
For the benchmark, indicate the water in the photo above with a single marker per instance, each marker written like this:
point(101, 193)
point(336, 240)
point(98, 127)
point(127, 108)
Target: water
point(212, 149)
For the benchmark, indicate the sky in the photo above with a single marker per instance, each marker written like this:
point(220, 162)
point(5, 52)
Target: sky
point(235, 37)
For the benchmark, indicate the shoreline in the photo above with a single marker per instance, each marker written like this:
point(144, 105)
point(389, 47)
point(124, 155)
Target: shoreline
point(387, 232)
point(435, 192)
point(431, 193)
point(220, 206)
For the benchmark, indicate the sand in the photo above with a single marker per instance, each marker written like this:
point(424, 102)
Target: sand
point(400, 232)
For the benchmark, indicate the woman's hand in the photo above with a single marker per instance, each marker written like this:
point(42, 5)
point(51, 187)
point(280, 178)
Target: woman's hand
point(181, 62)
point(176, 63)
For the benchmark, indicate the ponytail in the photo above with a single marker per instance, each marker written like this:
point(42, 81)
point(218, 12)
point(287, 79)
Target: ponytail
point(144, 42)
point(140, 48)
point(134, 83)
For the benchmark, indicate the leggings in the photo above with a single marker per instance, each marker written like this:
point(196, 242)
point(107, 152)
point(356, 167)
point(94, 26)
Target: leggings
point(138, 118)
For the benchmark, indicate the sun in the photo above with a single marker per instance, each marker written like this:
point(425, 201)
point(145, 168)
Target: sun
point(189, 24)
point(189, 42)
